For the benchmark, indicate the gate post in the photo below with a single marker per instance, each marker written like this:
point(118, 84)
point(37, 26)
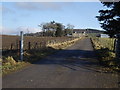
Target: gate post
point(21, 45)
point(118, 46)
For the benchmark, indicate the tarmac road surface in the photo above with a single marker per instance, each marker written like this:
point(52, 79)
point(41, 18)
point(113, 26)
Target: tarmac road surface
point(74, 67)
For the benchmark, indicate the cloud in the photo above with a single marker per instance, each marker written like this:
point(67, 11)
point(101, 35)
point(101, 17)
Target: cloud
point(7, 31)
point(10, 31)
point(52, 6)
point(28, 29)
point(26, 5)
point(6, 10)
point(40, 5)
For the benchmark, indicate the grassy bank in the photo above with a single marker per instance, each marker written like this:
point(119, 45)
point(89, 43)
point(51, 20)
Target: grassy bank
point(104, 48)
point(63, 45)
point(10, 60)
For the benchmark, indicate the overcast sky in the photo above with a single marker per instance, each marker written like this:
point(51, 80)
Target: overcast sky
point(26, 16)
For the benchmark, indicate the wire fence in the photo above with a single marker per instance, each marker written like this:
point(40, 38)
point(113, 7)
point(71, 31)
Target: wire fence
point(13, 42)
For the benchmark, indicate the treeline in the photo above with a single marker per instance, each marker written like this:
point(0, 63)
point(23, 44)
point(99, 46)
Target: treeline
point(53, 29)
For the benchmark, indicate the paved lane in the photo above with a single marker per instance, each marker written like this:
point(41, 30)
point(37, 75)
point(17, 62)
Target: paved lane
point(75, 67)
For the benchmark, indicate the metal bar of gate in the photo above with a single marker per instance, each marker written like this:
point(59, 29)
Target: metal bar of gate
point(21, 45)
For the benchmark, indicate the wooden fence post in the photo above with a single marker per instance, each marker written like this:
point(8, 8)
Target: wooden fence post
point(29, 45)
point(11, 48)
point(118, 46)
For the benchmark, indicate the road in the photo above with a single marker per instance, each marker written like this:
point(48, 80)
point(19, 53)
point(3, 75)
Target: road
point(74, 67)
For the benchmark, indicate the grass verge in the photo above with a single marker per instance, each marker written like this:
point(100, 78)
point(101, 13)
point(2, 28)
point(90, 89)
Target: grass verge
point(104, 48)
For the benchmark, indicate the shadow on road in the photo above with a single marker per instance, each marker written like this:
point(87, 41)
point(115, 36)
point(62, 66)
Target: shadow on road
point(73, 59)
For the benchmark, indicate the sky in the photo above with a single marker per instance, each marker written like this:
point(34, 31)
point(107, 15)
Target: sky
point(26, 16)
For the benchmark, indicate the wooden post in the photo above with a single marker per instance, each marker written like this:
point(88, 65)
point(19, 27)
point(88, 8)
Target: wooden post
point(118, 46)
point(21, 45)
point(29, 46)
point(11, 46)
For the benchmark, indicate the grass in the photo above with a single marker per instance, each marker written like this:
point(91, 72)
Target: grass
point(63, 45)
point(11, 62)
point(11, 65)
point(104, 43)
point(93, 34)
point(106, 54)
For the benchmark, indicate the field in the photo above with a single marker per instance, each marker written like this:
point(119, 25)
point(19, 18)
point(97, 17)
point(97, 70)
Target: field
point(105, 49)
point(12, 42)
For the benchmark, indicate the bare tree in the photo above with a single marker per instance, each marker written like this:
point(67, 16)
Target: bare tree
point(69, 29)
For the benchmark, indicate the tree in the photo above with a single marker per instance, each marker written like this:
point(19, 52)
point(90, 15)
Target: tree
point(110, 18)
point(59, 30)
point(52, 29)
point(49, 28)
point(69, 29)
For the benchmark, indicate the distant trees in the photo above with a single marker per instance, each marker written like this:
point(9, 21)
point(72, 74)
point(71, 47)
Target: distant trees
point(55, 29)
point(110, 18)
point(69, 29)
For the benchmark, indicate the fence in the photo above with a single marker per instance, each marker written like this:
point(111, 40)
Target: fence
point(13, 42)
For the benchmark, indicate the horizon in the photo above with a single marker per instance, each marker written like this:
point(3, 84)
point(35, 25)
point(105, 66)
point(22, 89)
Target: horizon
point(19, 16)
point(41, 31)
